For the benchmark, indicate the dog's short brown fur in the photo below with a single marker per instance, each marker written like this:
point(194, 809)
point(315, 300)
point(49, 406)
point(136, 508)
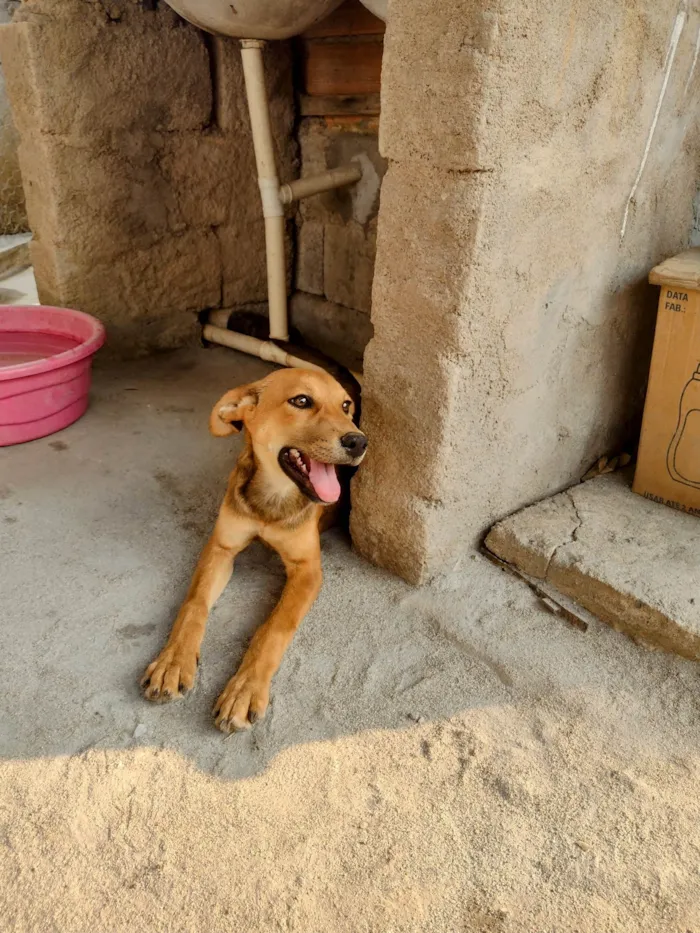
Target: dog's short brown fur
point(270, 496)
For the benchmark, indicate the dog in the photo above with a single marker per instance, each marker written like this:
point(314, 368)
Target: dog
point(299, 426)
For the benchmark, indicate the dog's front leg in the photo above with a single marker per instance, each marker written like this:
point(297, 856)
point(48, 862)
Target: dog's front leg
point(245, 697)
point(173, 671)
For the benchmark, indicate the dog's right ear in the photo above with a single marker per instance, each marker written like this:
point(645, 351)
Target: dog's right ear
point(228, 415)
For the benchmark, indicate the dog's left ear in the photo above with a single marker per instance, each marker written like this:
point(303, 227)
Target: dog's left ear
point(228, 415)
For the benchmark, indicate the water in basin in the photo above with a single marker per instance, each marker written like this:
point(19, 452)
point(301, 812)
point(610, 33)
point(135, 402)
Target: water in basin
point(16, 348)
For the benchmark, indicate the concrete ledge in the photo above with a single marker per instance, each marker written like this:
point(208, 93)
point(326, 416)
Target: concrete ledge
point(14, 253)
point(632, 563)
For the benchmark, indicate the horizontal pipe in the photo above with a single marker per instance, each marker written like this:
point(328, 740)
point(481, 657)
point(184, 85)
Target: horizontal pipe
point(220, 317)
point(263, 349)
point(315, 184)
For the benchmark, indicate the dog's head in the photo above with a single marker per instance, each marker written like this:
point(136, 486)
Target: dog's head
point(300, 426)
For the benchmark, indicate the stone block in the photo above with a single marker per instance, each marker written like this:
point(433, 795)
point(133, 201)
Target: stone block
point(168, 282)
point(309, 260)
point(325, 144)
point(426, 235)
point(243, 259)
point(402, 483)
point(631, 562)
point(433, 82)
point(72, 74)
point(231, 111)
point(341, 333)
point(232, 108)
point(413, 377)
point(48, 279)
point(102, 200)
point(348, 265)
point(206, 174)
point(242, 245)
point(94, 201)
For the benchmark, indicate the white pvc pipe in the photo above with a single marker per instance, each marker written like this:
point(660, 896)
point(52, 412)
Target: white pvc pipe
point(273, 198)
point(219, 318)
point(263, 143)
point(265, 349)
point(315, 184)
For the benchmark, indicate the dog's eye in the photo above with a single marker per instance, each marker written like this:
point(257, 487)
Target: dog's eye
point(301, 401)
point(346, 405)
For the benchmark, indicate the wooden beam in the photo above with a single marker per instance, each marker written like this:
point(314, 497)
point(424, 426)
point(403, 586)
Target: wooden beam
point(342, 67)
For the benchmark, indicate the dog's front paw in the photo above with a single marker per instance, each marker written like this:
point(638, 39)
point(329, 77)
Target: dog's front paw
point(170, 676)
point(243, 701)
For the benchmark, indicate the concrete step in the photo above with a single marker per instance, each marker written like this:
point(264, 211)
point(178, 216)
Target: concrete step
point(632, 563)
point(14, 253)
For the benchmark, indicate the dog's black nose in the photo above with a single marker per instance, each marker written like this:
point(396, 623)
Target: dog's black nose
point(355, 444)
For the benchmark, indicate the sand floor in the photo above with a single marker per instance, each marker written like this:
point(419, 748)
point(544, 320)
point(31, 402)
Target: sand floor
point(447, 759)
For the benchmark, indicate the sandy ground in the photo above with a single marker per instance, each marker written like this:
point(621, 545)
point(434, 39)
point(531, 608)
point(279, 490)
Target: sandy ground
point(447, 759)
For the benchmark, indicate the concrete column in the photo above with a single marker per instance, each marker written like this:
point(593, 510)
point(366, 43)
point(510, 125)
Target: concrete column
point(542, 159)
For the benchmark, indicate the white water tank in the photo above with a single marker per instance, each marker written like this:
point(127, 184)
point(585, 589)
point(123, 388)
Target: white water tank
point(261, 19)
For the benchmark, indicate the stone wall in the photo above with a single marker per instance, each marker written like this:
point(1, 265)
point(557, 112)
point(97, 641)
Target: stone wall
point(512, 319)
point(138, 163)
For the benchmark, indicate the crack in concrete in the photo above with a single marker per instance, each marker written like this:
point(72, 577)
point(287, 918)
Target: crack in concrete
point(573, 534)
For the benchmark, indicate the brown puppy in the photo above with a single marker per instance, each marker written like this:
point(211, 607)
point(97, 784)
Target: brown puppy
point(298, 426)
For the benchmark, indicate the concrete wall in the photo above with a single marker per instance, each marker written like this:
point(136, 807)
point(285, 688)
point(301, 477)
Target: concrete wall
point(512, 321)
point(138, 164)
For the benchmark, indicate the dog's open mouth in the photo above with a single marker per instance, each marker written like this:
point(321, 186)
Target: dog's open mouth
point(316, 480)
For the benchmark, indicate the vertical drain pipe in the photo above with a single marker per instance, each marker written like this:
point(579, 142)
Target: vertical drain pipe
point(273, 211)
point(273, 200)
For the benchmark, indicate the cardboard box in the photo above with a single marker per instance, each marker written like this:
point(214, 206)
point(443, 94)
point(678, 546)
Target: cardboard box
point(668, 465)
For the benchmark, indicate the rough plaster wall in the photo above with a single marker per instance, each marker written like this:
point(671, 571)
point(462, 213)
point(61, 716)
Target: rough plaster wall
point(138, 163)
point(512, 322)
point(695, 232)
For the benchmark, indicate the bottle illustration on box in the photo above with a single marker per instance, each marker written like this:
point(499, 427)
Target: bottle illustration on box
point(683, 457)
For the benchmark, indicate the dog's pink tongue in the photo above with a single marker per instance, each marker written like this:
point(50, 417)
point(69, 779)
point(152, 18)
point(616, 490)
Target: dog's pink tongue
point(324, 480)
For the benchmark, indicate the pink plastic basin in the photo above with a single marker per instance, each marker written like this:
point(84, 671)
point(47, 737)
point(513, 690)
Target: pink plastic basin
point(45, 362)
